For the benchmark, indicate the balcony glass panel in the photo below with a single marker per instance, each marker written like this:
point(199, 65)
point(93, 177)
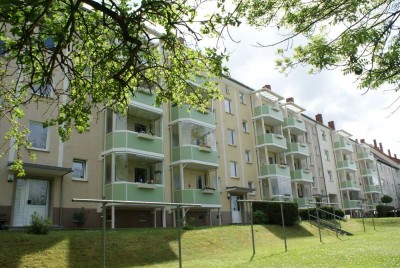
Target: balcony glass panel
point(366, 156)
point(274, 142)
point(347, 165)
point(343, 145)
point(301, 175)
point(305, 202)
point(188, 153)
point(275, 170)
point(349, 185)
point(133, 140)
point(372, 189)
point(126, 191)
point(351, 204)
point(368, 172)
point(197, 196)
point(295, 125)
point(272, 115)
point(184, 113)
point(298, 150)
point(144, 97)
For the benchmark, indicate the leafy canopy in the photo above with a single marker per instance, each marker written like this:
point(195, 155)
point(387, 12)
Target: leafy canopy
point(87, 55)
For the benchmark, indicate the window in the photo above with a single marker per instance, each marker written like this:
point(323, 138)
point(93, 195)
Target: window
point(226, 89)
point(248, 156)
point(44, 90)
point(245, 126)
point(252, 188)
point(233, 168)
point(323, 135)
point(327, 158)
point(199, 182)
point(2, 48)
point(241, 98)
point(79, 169)
point(228, 107)
point(38, 135)
point(330, 175)
point(231, 137)
point(49, 43)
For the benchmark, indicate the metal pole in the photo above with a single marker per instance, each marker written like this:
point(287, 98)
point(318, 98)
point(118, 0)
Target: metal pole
point(252, 230)
point(179, 236)
point(373, 220)
point(334, 220)
point(362, 216)
point(319, 228)
point(283, 225)
point(104, 233)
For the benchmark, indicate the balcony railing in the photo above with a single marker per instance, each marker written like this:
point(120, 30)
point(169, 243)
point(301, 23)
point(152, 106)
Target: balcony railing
point(133, 140)
point(275, 170)
point(274, 142)
point(368, 172)
point(301, 175)
point(197, 196)
point(305, 202)
point(372, 189)
point(351, 204)
point(366, 156)
point(193, 153)
point(295, 125)
point(298, 150)
point(144, 97)
point(346, 165)
point(178, 113)
point(130, 191)
point(272, 115)
point(345, 146)
point(349, 185)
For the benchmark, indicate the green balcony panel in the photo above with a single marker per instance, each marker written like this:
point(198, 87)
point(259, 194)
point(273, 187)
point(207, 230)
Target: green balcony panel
point(135, 192)
point(301, 175)
point(305, 202)
point(351, 204)
point(368, 172)
point(372, 189)
point(275, 170)
point(272, 115)
point(133, 140)
point(346, 165)
point(344, 146)
point(192, 153)
point(178, 113)
point(366, 156)
point(274, 142)
point(349, 185)
point(295, 125)
point(197, 196)
point(298, 150)
point(372, 205)
point(144, 97)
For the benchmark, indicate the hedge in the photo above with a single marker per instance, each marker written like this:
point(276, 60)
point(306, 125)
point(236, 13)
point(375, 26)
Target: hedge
point(272, 213)
point(384, 211)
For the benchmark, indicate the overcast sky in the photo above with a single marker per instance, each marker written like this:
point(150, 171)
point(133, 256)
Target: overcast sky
point(330, 93)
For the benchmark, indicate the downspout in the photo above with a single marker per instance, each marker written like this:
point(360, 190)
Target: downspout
point(61, 200)
point(322, 164)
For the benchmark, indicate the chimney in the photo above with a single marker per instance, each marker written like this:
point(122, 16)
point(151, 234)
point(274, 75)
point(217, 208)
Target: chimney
point(267, 87)
point(395, 156)
point(362, 141)
point(181, 40)
point(291, 99)
point(319, 119)
point(356, 140)
point(331, 124)
point(389, 153)
point(380, 146)
point(376, 146)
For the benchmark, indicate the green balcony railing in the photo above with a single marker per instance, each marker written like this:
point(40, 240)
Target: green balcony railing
point(301, 175)
point(372, 205)
point(274, 142)
point(305, 202)
point(133, 140)
point(128, 191)
point(272, 115)
point(365, 156)
point(343, 145)
point(275, 170)
point(144, 97)
point(351, 204)
point(349, 185)
point(372, 189)
point(184, 113)
point(193, 153)
point(197, 196)
point(295, 125)
point(298, 150)
point(368, 172)
point(347, 165)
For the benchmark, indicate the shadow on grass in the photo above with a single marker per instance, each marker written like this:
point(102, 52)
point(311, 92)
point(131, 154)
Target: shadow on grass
point(291, 231)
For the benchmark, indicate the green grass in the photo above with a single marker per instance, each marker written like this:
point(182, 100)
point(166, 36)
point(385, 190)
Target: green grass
point(226, 246)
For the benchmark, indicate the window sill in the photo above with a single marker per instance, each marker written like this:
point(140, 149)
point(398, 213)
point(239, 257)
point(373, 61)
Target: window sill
point(246, 132)
point(40, 150)
point(250, 163)
point(81, 180)
point(229, 113)
point(237, 178)
point(234, 145)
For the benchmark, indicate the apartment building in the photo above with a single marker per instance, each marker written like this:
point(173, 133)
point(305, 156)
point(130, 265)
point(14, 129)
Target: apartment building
point(253, 144)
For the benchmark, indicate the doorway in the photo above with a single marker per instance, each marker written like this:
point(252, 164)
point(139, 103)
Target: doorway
point(236, 209)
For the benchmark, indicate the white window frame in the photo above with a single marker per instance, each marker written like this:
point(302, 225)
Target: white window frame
point(327, 157)
point(247, 156)
point(330, 175)
point(47, 93)
point(84, 169)
point(226, 89)
point(233, 169)
point(245, 126)
point(241, 98)
point(228, 105)
point(47, 136)
point(231, 137)
point(251, 187)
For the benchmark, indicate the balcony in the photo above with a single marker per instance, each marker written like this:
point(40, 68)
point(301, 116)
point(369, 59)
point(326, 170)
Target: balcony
point(346, 165)
point(130, 191)
point(132, 140)
point(367, 156)
point(368, 172)
point(304, 202)
point(298, 150)
point(349, 185)
point(274, 170)
point(274, 142)
point(344, 146)
point(301, 175)
point(197, 196)
point(372, 189)
point(351, 204)
point(197, 156)
point(183, 113)
point(372, 205)
point(144, 97)
point(295, 125)
point(272, 115)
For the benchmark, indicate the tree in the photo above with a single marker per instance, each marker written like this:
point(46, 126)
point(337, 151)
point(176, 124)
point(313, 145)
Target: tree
point(360, 37)
point(386, 199)
point(86, 55)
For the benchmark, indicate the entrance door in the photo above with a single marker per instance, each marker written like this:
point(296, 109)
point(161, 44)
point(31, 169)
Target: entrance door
point(236, 210)
point(31, 196)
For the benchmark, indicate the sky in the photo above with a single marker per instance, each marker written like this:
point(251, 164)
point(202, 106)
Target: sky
point(329, 93)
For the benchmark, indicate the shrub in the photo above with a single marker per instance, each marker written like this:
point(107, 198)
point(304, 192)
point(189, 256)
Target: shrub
point(384, 211)
point(273, 212)
point(39, 225)
point(79, 218)
point(259, 217)
point(339, 212)
point(386, 199)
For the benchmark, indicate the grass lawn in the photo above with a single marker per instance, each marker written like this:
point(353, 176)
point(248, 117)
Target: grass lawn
point(225, 246)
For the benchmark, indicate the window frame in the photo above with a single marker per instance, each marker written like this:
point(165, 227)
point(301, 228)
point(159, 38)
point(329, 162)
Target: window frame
point(245, 126)
point(47, 136)
point(247, 156)
point(228, 106)
point(84, 169)
point(241, 98)
point(231, 136)
point(233, 166)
